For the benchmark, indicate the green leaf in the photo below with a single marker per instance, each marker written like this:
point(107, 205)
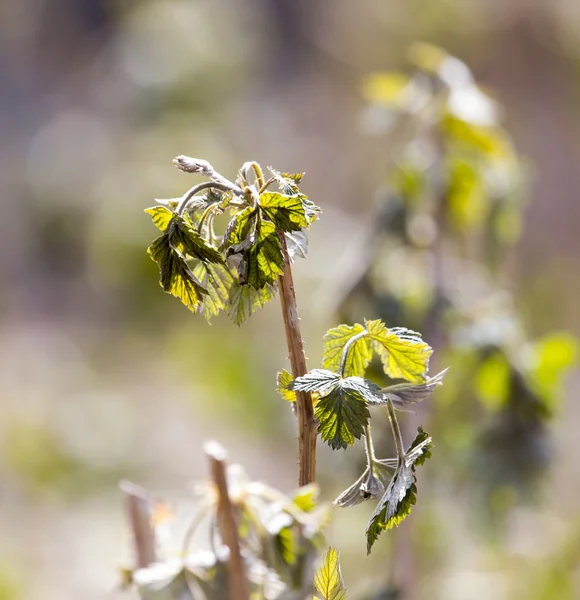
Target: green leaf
point(342, 413)
point(185, 239)
point(241, 228)
point(403, 353)
point(286, 212)
point(328, 578)
point(176, 278)
point(359, 355)
point(161, 216)
point(282, 380)
point(493, 382)
point(264, 260)
point(218, 281)
point(245, 300)
point(400, 495)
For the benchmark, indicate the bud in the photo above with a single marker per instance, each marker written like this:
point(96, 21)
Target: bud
point(193, 165)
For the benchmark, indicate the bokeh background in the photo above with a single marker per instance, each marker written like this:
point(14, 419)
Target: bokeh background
point(104, 377)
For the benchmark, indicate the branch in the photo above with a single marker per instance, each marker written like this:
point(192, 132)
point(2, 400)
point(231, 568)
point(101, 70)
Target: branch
point(238, 582)
point(138, 508)
point(307, 429)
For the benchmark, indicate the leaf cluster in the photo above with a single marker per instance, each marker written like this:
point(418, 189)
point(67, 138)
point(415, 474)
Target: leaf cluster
point(237, 272)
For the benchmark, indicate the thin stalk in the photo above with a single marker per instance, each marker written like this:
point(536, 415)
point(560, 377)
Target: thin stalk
point(139, 515)
point(206, 185)
point(353, 340)
point(267, 184)
point(307, 428)
point(237, 581)
point(370, 449)
point(396, 431)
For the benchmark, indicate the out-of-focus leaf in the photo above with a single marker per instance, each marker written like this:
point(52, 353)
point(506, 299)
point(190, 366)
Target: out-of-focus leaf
point(286, 212)
point(306, 497)
point(385, 89)
point(492, 382)
point(403, 353)
point(555, 354)
point(163, 581)
point(245, 300)
point(400, 495)
point(283, 379)
point(468, 203)
point(359, 355)
point(328, 578)
point(428, 57)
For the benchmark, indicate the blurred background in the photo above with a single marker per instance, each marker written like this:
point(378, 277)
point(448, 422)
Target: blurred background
point(104, 377)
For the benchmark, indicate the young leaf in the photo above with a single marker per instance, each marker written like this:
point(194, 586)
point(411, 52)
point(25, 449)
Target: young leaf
point(264, 259)
point(360, 353)
point(297, 244)
point(328, 578)
point(400, 495)
point(245, 300)
point(282, 380)
point(218, 281)
point(287, 182)
point(286, 212)
point(403, 353)
point(240, 229)
point(161, 216)
point(317, 380)
point(404, 395)
point(342, 413)
point(185, 239)
point(176, 277)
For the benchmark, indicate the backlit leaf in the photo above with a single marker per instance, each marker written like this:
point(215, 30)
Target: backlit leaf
point(161, 216)
point(185, 239)
point(297, 244)
point(359, 355)
point(328, 578)
point(403, 353)
point(286, 212)
point(218, 280)
point(245, 300)
point(400, 495)
point(283, 379)
point(264, 260)
point(287, 182)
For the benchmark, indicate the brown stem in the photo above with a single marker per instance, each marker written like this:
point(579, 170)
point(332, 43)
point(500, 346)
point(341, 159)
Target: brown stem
point(138, 508)
point(238, 582)
point(304, 408)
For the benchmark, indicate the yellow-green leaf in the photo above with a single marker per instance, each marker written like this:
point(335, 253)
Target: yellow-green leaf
point(403, 353)
point(161, 216)
point(359, 355)
point(328, 578)
point(283, 379)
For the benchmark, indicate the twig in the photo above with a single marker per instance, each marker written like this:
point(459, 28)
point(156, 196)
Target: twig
point(304, 407)
point(238, 582)
point(138, 508)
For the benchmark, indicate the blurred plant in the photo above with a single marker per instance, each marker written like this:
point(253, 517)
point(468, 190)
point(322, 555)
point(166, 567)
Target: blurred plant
point(263, 544)
point(449, 210)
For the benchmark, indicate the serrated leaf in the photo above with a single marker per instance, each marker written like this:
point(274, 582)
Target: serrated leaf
point(328, 578)
point(405, 395)
point(176, 277)
point(241, 228)
point(187, 241)
point(359, 355)
point(161, 216)
point(317, 380)
point(245, 300)
point(287, 182)
point(286, 212)
point(342, 413)
point(400, 495)
point(403, 353)
point(264, 260)
point(218, 280)
point(282, 380)
point(297, 244)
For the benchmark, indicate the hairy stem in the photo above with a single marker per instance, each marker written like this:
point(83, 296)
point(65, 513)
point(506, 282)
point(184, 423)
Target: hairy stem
point(370, 449)
point(238, 581)
point(305, 410)
point(396, 431)
point(353, 340)
point(206, 185)
point(139, 514)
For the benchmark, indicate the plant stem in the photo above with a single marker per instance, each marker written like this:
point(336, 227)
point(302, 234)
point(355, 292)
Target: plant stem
point(370, 450)
point(396, 431)
point(138, 508)
point(224, 187)
point(307, 429)
point(238, 582)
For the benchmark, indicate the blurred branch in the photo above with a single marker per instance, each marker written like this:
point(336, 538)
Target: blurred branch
point(139, 514)
point(238, 582)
